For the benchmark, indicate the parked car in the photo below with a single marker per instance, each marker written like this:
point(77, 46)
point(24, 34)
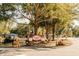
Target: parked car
point(10, 37)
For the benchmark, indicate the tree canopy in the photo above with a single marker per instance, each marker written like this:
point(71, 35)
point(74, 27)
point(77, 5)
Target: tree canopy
point(49, 15)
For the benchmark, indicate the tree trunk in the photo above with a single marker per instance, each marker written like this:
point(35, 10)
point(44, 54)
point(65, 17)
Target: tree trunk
point(36, 18)
point(28, 33)
point(36, 27)
point(47, 29)
point(53, 32)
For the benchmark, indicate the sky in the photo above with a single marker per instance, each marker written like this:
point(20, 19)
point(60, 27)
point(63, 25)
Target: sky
point(18, 18)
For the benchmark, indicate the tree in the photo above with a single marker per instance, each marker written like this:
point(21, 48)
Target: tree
point(21, 30)
point(6, 13)
point(36, 10)
point(61, 14)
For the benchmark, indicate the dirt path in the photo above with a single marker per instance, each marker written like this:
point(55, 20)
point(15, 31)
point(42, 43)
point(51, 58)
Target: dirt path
point(72, 50)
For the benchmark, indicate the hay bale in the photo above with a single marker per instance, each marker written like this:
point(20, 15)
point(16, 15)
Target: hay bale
point(51, 44)
point(16, 43)
point(1, 40)
point(64, 42)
